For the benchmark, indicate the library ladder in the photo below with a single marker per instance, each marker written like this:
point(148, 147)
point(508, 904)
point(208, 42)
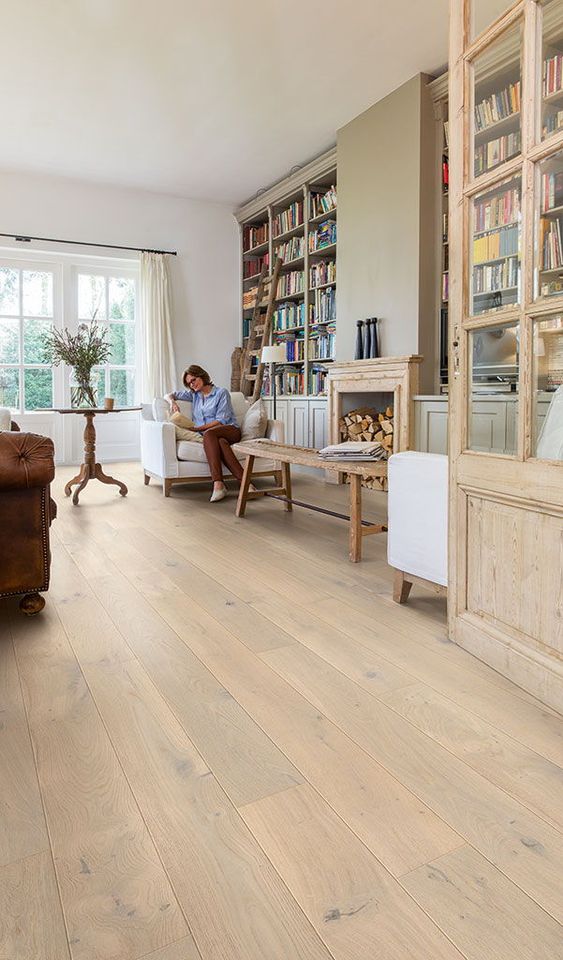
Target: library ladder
point(259, 332)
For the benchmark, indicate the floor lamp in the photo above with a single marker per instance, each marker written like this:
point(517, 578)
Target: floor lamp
point(273, 355)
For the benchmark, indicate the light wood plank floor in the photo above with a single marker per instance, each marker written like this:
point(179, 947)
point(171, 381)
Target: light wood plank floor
point(222, 741)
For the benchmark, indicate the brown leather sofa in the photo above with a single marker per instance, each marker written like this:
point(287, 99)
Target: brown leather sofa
point(27, 467)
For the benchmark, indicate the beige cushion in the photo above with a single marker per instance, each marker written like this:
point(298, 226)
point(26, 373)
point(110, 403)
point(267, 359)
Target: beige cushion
point(160, 410)
point(5, 418)
point(240, 405)
point(191, 450)
point(255, 421)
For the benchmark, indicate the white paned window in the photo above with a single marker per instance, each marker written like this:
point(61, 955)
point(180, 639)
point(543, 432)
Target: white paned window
point(47, 291)
point(30, 298)
point(110, 299)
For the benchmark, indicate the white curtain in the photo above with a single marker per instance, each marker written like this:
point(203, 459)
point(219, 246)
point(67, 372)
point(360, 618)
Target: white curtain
point(159, 367)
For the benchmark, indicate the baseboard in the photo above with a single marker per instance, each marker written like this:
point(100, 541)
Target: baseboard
point(533, 670)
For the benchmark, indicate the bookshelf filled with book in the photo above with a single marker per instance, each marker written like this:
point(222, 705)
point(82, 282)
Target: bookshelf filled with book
point(299, 225)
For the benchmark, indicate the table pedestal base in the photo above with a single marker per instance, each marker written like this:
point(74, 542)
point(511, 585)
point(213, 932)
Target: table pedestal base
point(91, 471)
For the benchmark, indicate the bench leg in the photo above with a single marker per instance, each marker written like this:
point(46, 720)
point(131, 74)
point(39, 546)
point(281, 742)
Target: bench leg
point(355, 517)
point(286, 472)
point(401, 587)
point(244, 485)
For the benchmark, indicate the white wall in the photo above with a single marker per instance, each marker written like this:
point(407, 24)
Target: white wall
point(205, 274)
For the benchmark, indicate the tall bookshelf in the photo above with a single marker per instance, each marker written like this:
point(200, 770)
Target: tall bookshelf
point(299, 224)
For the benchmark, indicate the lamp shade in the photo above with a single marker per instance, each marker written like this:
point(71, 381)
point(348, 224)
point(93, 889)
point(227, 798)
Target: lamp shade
point(275, 354)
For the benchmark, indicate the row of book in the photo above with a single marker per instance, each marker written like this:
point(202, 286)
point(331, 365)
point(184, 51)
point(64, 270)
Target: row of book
point(292, 282)
point(503, 243)
point(250, 268)
point(322, 272)
point(289, 218)
point(254, 234)
point(552, 288)
point(497, 106)
point(552, 121)
point(289, 382)
point(445, 174)
point(323, 202)
point(490, 154)
point(323, 310)
point(499, 211)
point(318, 381)
point(249, 297)
point(497, 276)
point(551, 191)
point(551, 247)
point(322, 347)
point(294, 348)
point(445, 227)
point(288, 316)
point(292, 249)
point(553, 74)
point(323, 236)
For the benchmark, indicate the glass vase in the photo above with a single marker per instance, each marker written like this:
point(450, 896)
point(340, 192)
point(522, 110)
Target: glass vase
point(82, 392)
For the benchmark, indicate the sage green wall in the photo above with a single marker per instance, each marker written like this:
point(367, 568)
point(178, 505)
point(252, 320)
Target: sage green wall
point(387, 234)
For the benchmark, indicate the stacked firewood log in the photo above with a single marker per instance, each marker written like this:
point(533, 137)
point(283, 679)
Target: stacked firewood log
point(366, 424)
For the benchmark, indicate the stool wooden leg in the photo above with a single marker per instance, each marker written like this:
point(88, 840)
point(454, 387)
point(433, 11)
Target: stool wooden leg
point(244, 485)
point(355, 517)
point(401, 587)
point(286, 471)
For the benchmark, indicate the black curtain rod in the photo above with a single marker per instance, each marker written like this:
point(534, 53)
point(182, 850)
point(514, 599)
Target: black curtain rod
point(82, 243)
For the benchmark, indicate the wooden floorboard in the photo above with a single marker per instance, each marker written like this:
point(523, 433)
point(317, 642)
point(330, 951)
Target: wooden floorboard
point(222, 741)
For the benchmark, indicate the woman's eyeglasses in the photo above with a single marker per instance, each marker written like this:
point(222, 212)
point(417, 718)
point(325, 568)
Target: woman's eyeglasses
point(191, 383)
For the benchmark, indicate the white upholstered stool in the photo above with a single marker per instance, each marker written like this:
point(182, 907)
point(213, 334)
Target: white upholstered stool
point(417, 541)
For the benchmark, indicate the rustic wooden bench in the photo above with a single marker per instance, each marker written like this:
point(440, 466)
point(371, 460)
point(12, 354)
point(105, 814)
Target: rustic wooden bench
point(285, 455)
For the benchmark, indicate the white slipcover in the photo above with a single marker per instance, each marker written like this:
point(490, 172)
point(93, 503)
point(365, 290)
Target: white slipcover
point(550, 440)
point(417, 541)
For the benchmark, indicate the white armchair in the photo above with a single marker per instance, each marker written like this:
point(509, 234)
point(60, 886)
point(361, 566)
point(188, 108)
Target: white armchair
point(417, 539)
point(172, 462)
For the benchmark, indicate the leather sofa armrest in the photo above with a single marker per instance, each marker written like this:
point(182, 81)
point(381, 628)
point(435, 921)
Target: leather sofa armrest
point(26, 460)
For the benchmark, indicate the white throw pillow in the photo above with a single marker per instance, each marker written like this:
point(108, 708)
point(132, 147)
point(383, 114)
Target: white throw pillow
point(255, 421)
point(160, 409)
point(5, 418)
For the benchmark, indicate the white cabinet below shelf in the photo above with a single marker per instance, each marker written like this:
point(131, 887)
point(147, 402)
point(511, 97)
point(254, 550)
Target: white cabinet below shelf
point(304, 418)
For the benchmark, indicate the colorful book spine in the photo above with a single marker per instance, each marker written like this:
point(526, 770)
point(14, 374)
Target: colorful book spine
point(290, 283)
point(496, 277)
point(490, 154)
point(498, 211)
point(251, 268)
point(498, 106)
point(288, 219)
point(323, 309)
point(323, 236)
point(292, 249)
point(289, 316)
point(323, 202)
point(318, 377)
point(321, 347)
point(322, 273)
point(254, 234)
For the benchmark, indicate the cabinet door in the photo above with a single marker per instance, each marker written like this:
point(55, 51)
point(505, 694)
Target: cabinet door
point(431, 426)
point(488, 426)
point(298, 423)
point(318, 424)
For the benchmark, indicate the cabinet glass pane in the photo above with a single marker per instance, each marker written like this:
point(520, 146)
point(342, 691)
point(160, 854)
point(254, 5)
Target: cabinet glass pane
point(548, 274)
point(494, 376)
point(484, 13)
point(496, 229)
point(552, 68)
point(497, 135)
point(547, 389)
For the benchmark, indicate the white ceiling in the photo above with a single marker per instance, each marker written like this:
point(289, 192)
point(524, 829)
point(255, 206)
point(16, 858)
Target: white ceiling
point(195, 98)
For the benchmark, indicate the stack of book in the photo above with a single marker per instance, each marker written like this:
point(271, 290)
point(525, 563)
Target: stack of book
point(289, 315)
point(322, 273)
point(323, 310)
point(290, 283)
point(498, 106)
point(288, 219)
point(292, 249)
point(497, 211)
point(352, 450)
point(323, 236)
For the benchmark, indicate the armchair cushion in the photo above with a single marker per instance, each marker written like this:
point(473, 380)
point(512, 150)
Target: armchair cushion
point(5, 418)
point(417, 541)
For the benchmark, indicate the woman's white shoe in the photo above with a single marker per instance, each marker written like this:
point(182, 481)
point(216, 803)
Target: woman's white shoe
point(219, 494)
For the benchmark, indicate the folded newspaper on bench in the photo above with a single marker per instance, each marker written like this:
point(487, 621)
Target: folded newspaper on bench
point(354, 450)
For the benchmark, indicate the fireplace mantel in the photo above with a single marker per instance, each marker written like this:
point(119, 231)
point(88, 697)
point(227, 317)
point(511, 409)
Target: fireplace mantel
point(396, 375)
